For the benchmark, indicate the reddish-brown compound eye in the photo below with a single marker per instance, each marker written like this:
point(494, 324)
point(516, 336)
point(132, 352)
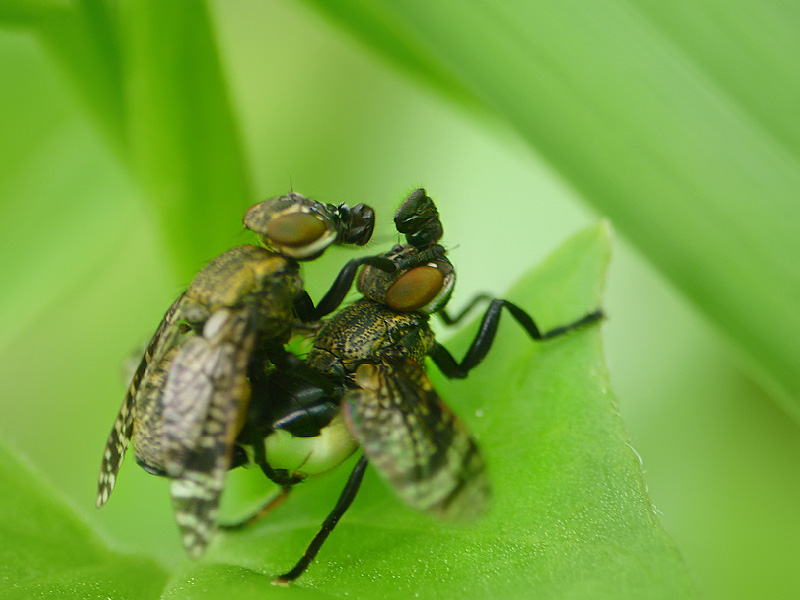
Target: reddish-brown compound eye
point(294, 230)
point(415, 289)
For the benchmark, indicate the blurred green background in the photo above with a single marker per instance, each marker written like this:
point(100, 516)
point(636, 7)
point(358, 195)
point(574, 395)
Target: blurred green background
point(92, 253)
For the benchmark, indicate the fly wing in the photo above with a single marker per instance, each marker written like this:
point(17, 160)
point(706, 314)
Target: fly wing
point(162, 341)
point(415, 442)
point(205, 400)
point(190, 387)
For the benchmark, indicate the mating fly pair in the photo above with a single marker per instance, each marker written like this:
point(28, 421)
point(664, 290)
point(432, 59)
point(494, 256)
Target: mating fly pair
point(189, 396)
point(363, 383)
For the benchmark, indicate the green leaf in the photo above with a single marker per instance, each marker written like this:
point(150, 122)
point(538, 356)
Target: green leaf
point(46, 551)
point(570, 515)
point(569, 487)
point(677, 120)
point(27, 12)
point(184, 138)
point(151, 76)
point(82, 38)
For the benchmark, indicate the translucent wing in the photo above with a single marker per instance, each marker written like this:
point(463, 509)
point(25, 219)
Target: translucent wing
point(421, 448)
point(186, 398)
point(117, 443)
point(205, 400)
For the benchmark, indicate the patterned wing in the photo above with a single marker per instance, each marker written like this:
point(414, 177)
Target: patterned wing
point(421, 448)
point(205, 400)
point(116, 445)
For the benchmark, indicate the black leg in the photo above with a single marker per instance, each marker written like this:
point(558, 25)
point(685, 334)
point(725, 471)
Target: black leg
point(345, 500)
point(477, 299)
point(422, 256)
point(271, 504)
point(279, 476)
point(304, 307)
point(487, 331)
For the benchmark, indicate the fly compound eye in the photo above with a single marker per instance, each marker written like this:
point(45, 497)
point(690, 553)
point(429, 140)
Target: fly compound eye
point(422, 280)
point(415, 289)
point(295, 230)
point(292, 225)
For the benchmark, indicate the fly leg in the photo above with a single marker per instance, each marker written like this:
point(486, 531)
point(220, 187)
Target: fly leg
point(488, 329)
point(345, 500)
point(453, 320)
point(271, 504)
point(280, 477)
point(303, 306)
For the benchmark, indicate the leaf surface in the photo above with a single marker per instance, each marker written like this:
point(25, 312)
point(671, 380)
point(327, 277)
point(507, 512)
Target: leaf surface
point(46, 551)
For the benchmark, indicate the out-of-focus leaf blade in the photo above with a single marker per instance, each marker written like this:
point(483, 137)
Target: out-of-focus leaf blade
point(151, 75)
point(27, 12)
point(681, 149)
point(83, 39)
point(384, 27)
point(184, 137)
